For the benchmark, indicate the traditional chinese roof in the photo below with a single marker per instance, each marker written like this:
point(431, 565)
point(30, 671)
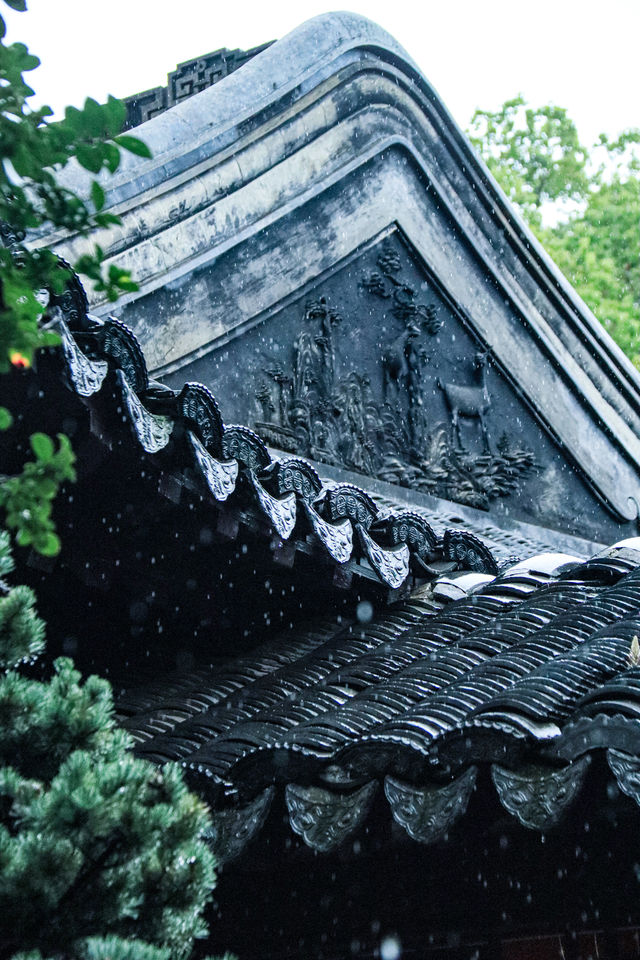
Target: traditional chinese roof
point(316, 241)
point(522, 678)
point(523, 669)
point(181, 437)
point(354, 638)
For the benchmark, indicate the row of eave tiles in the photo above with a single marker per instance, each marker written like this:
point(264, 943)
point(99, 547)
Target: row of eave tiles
point(235, 466)
point(529, 673)
point(415, 699)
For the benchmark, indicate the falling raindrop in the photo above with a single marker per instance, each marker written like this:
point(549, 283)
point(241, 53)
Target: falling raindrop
point(364, 611)
point(390, 948)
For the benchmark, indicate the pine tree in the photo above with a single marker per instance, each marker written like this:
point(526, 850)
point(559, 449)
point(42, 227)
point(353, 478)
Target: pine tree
point(94, 843)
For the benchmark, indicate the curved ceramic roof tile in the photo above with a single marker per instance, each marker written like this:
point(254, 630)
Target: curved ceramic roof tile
point(356, 708)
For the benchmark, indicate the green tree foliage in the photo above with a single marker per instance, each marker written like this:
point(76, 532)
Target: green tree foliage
point(33, 149)
point(28, 497)
point(94, 843)
point(594, 196)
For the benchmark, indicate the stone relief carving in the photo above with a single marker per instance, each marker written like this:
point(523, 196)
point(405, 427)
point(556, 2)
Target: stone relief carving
point(428, 813)
point(469, 401)
point(540, 796)
point(384, 429)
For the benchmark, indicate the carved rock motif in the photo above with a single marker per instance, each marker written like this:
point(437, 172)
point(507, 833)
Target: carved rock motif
point(325, 819)
point(231, 830)
point(539, 797)
point(428, 813)
point(383, 428)
point(152, 430)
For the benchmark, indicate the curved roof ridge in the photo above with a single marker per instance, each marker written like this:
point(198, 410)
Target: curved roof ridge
point(286, 64)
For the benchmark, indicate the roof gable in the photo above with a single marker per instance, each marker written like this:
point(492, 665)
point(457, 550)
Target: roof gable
point(263, 194)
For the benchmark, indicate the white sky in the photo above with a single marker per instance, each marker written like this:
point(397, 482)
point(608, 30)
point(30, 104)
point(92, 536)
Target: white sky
point(579, 54)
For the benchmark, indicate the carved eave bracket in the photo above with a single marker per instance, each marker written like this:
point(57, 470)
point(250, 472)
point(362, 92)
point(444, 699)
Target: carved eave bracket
point(337, 538)
point(86, 376)
point(220, 475)
point(539, 797)
point(232, 829)
point(152, 430)
point(324, 818)
point(428, 813)
point(392, 566)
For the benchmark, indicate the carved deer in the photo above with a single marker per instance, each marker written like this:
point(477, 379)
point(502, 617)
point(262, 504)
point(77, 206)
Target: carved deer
point(469, 401)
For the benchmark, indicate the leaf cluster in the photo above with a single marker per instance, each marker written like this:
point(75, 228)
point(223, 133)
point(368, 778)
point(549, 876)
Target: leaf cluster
point(33, 149)
point(28, 497)
point(537, 158)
